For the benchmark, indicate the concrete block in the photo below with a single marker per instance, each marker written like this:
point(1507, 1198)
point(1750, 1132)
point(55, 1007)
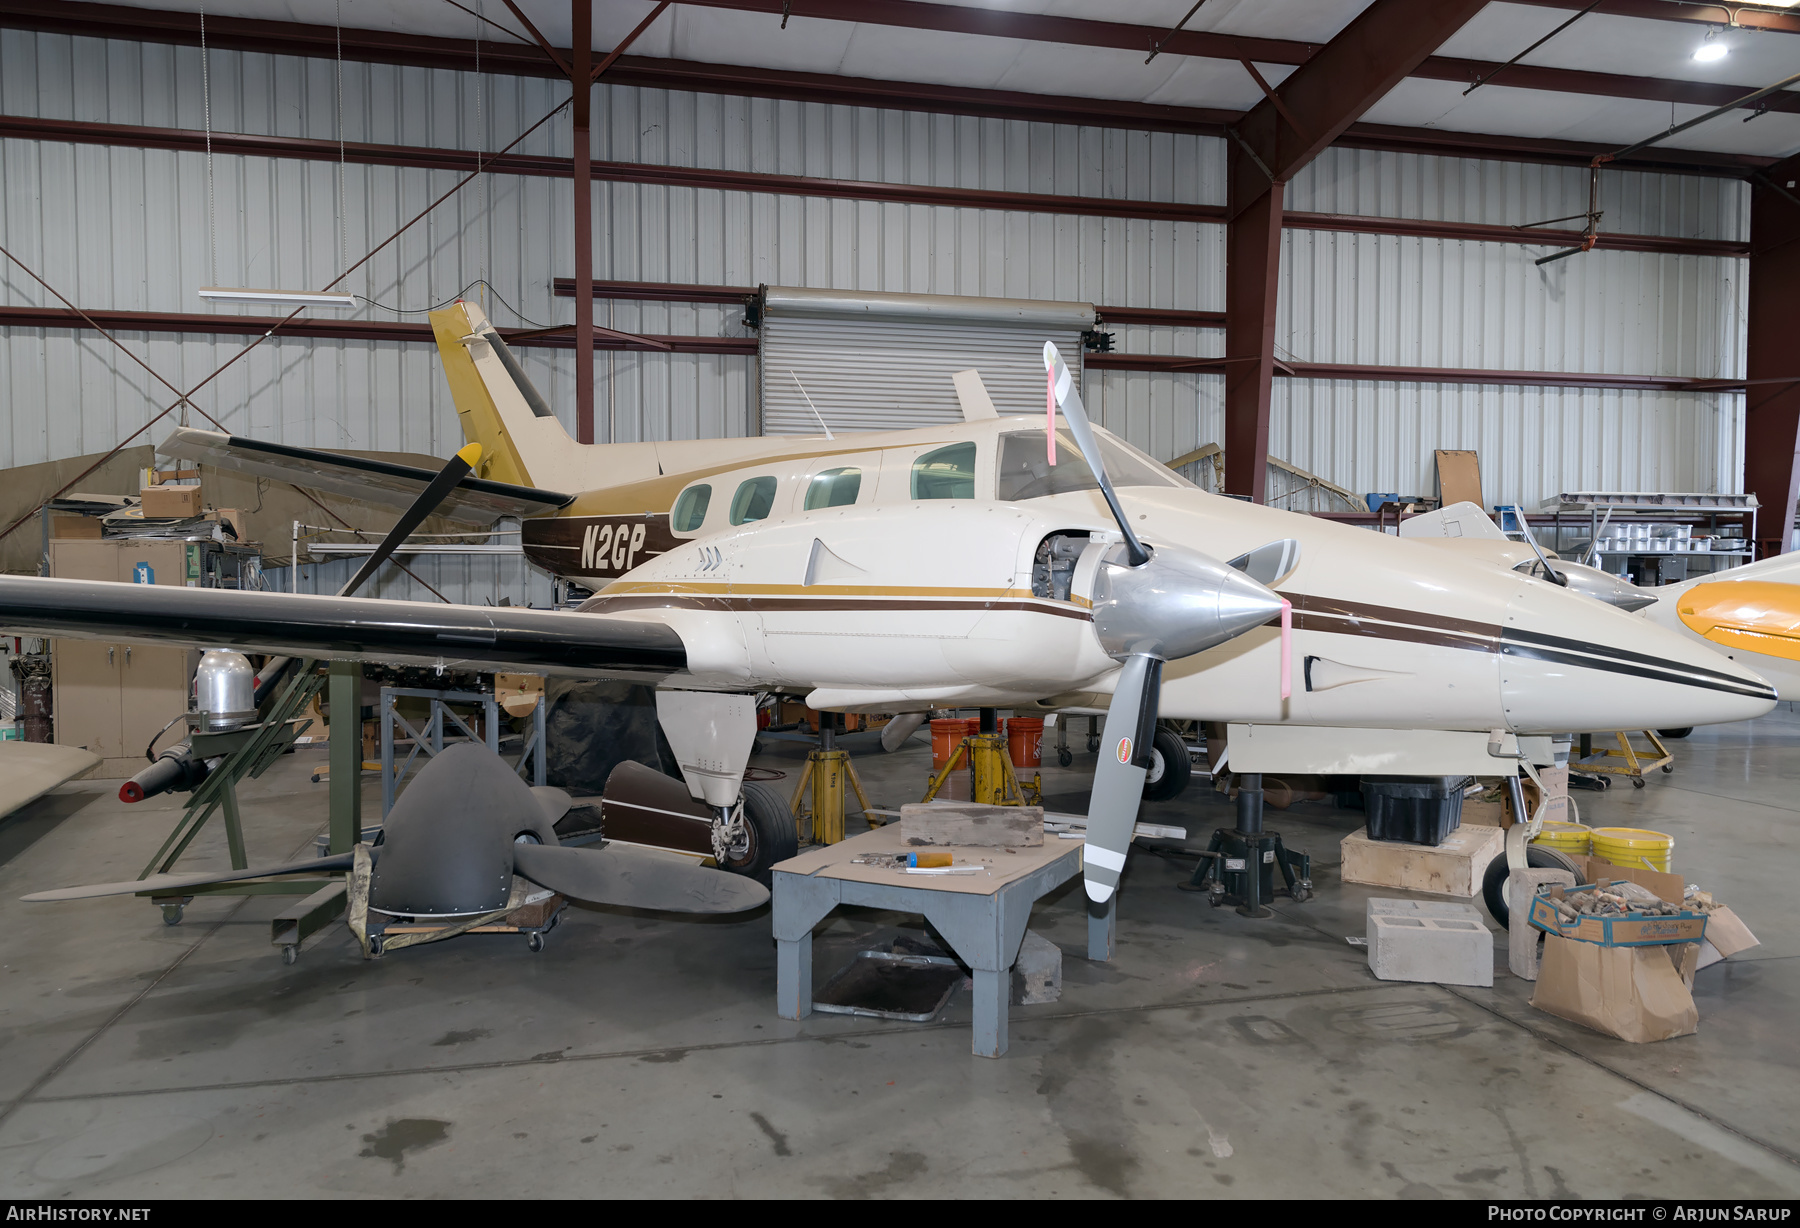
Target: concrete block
point(1443, 949)
point(1525, 945)
point(1037, 973)
point(1378, 907)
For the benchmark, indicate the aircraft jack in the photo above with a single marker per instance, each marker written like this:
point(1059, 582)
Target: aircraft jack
point(1225, 871)
point(996, 784)
point(818, 804)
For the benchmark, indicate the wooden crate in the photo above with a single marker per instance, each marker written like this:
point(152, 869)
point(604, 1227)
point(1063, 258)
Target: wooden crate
point(1453, 868)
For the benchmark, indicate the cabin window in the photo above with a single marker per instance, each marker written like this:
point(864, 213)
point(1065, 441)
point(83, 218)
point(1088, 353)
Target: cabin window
point(948, 473)
point(690, 509)
point(1026, 473)
point(753, 500)
point(833, 488)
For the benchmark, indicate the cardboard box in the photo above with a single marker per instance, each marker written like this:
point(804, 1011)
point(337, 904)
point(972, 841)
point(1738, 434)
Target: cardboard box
point(1666, 887)
point(1726, 935)
point(170, 502)
point(1637, 994)
point(1619, 930)
point(1487, 807)
point(81, 528)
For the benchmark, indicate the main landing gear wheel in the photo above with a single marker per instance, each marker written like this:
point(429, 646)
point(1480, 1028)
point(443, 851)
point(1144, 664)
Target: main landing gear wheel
point(1170, 768)
point(769, 835)
point(1538, 857)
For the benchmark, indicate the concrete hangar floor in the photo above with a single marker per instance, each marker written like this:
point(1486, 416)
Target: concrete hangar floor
point(641, 1056)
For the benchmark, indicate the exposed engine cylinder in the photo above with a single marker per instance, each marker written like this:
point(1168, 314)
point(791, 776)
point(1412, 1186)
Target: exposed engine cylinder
point(224, 690)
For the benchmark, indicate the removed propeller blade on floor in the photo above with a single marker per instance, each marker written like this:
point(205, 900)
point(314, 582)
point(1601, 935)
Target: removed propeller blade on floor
point(169, 884)
point(637, 878)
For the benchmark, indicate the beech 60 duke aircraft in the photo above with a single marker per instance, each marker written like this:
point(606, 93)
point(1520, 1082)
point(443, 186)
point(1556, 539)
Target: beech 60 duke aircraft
point(955, 566)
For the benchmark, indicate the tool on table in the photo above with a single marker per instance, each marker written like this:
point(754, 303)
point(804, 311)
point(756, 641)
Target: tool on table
point(903, 861)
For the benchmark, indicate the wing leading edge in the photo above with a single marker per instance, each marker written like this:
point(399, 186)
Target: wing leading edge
point(345, 629)
point(475, 500)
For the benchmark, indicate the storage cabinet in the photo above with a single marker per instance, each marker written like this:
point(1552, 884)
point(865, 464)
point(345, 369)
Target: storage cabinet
point(111, 697)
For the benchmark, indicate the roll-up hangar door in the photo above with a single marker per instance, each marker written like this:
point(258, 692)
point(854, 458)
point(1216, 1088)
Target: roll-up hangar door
point(879, 362)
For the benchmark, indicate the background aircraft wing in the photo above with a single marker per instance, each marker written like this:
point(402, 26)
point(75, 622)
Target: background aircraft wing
point(343, 628)
point(475, 500)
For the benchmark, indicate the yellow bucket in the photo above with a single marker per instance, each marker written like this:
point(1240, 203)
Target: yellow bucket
point(1572, 838)
point(1634, 847)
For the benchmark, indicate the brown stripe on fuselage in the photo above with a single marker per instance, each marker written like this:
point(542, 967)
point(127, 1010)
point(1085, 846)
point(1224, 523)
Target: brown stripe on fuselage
point(1357, 610)
point(1388, 631)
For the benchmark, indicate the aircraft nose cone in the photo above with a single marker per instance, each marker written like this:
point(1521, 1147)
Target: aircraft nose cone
point(1570, 664)
point(1179, 603)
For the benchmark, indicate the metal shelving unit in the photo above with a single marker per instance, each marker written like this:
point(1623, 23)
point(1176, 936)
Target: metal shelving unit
point(1625, 507)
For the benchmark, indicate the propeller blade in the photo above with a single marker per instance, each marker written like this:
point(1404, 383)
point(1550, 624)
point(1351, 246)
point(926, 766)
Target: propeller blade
point(1119, 779)
point(169, 884)
point(636, 878)
point(436, 491)
point(902, 727)
point(1062, 386)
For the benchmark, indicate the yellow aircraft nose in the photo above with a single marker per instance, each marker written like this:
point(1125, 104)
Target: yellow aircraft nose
point(1753, 615)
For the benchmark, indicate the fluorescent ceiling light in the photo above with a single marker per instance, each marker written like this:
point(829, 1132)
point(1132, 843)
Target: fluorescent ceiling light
point(288, 298)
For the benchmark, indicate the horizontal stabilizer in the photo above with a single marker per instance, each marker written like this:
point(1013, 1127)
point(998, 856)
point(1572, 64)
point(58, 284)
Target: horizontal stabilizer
point(474, 501)
point(169, 884)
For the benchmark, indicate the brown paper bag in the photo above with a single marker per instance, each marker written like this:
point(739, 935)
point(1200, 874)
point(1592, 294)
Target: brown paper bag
point(1634, 993)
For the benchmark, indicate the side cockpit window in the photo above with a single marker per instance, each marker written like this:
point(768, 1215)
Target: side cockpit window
point(947, 473)
point(833, 488)
point(753, 500)
point(690, 509)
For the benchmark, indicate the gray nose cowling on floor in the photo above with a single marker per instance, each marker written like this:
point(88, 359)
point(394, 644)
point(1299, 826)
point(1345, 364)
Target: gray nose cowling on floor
point(1179, 603)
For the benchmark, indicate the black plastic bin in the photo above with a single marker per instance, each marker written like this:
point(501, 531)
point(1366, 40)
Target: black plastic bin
point(1413, 809)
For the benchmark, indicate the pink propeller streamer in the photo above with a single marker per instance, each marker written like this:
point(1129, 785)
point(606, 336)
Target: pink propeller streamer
point(1050, 413)
point(1287, 644)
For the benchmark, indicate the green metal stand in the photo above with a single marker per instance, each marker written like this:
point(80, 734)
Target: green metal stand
point(247, 754)
point(345, 698)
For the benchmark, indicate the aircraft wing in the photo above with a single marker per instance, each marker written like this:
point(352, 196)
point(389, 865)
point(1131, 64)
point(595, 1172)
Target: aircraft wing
point(344, 629)
point(475, 500)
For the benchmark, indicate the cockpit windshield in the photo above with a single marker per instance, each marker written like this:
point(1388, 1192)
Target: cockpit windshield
point(1026, 473)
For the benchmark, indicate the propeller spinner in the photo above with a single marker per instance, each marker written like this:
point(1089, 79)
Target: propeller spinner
point(1150, 606)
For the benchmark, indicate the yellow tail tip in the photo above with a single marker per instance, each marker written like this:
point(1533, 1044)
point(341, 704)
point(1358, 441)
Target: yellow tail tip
point(469, 454)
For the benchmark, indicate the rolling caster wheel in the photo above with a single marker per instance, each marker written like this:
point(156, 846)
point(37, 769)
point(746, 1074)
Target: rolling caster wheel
point(171, 914)
point(1216, 897)
point(1637, 782)
point(1093, 744)
point(374, 946)
point(290, 954)
point(1667, 768)
point(1302, 892)
point(1065, 756)
point(535, 942)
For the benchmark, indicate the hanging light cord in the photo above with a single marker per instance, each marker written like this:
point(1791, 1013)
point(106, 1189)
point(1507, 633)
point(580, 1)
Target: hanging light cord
point(479, 281)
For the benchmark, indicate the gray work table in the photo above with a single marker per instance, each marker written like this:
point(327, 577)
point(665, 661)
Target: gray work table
point(982, 916)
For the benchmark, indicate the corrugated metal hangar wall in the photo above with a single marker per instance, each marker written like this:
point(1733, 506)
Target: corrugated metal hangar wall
point(127, 228)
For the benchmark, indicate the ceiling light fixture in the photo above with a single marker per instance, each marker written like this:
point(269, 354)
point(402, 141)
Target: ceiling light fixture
point(287, 298)
point(1711, 49)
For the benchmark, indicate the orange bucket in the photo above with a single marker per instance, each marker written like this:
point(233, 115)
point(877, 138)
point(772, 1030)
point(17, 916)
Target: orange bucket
point(947, 734)
point(1025, 741)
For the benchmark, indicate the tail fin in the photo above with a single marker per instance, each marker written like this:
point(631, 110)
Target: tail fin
point(496, 402)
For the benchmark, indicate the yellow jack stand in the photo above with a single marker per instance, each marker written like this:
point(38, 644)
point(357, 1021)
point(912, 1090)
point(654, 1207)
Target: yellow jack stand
point(996, 784)
point(1637, 761)
point(818, 804)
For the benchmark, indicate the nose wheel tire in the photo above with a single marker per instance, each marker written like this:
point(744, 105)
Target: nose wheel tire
point(1537, 857)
